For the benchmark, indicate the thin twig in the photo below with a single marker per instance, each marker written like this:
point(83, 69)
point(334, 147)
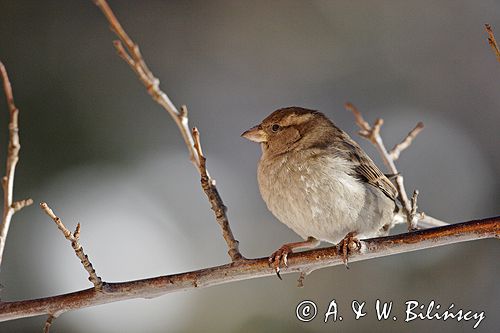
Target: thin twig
point(218, 206)
point(250, 269)
point(74, 238)
point(9, 206)
point(373, 135)
point(130, 53)
point(396, 151)
point(492, 41)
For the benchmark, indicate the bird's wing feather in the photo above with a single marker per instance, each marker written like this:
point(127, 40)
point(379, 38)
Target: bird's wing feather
point(364, 168)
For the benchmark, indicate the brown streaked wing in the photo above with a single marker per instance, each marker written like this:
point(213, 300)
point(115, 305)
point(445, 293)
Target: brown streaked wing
point(365, 169)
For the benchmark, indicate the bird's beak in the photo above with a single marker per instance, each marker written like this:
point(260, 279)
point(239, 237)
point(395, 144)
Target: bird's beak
point(255, 134)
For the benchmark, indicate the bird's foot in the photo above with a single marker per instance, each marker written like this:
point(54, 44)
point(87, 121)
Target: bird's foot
point(348, 244)
point(280, 256)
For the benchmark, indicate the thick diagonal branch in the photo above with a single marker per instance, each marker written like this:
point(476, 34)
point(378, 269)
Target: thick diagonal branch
point(130, 53)
point(9, 206)
point(250, 269)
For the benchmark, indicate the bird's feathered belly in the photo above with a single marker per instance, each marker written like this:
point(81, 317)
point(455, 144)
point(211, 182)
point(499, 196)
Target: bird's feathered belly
point(321, 198)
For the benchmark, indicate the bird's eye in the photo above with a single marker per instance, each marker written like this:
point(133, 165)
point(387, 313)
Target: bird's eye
point(275, 128)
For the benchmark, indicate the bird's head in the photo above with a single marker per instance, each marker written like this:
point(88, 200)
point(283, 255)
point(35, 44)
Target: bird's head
point(291, 128)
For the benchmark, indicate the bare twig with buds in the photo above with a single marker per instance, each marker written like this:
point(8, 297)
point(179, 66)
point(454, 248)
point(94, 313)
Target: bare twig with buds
point(372, 134)
point(74, 238)
point(130, 53)
point(10, 207)
point(208, 185)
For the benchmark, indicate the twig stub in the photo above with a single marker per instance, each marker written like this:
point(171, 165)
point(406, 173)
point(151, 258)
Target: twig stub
point(48, 323)
point(492, 41)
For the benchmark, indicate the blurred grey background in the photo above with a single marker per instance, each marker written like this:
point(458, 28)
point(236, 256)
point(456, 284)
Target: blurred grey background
point(102, 153)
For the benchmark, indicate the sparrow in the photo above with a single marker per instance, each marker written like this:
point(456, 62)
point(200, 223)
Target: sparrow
point(319, 182)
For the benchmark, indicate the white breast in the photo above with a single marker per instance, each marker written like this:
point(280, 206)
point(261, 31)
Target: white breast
point(319, 198)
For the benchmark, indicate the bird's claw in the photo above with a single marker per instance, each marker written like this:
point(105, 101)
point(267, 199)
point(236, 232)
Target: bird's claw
point(280, 256)
point(347, 244)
